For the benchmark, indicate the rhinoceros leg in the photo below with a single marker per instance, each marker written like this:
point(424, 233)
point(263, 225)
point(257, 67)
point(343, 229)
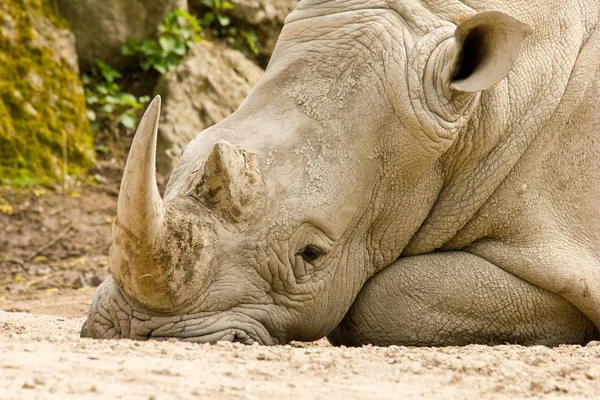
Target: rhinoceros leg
point(457, 298)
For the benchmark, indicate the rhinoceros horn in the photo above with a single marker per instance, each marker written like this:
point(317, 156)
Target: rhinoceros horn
point(140, 217)
point(140, 208)
point(231, 183)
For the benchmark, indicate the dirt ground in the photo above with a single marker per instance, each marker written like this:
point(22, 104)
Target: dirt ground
point(42, 357)
point(53, 252)
point(58, 239)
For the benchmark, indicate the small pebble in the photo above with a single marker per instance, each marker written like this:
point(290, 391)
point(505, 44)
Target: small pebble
point(29, 384)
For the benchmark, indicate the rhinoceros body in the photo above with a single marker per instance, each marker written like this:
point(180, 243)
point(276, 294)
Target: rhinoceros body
point(412, 172)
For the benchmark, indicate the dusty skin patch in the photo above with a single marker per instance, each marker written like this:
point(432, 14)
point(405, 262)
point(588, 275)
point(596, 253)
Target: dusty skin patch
point(42, 356)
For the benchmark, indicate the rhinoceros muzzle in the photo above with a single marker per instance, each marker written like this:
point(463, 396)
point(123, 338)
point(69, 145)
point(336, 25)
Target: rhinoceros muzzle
point(113, 315)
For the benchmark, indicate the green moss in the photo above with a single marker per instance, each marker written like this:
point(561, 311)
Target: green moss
point(49, 9)
point(42, 105)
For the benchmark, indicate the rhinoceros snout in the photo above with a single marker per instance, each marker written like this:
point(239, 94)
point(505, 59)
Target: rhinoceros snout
point(113, 315)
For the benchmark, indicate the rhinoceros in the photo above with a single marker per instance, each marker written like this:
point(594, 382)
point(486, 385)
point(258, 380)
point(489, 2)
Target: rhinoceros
point(410, 172)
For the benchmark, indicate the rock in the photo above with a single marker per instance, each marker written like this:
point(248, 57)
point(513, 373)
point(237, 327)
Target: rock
point(42, 104)
point(103, 27)
point(61, 41)
point(257, 12)
point(208, 85)
point(95, 278)
point(29, 384)
point(267, 16)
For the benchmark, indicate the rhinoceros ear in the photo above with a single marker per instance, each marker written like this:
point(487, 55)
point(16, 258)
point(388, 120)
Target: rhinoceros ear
point(230, 182)
point(487, 44)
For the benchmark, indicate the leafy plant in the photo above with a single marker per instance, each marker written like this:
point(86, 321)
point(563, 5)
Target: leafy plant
point(178, 33)
point(218, 12)
point(105, 99)
point(217, 18)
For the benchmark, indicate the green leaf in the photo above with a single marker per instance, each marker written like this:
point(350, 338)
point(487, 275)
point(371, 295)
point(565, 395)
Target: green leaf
point(107, 72)
point(91, 99)
point(91, 115)
point(149, 47)
point(161, 67)
point(129, 49)
point(167, 43)
point(107, 109)
point(180, 49)
point(251, 40)
point(194, 23)
point(224, 20)
point(102, 149)
point(130, 100)
point(208, 19)
point(102, 89)
point(111, 100)
point(128, 120)
point(113, 88)
point(146, 64)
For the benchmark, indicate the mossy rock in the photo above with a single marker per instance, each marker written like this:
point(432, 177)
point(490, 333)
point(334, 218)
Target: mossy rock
point(44, 129)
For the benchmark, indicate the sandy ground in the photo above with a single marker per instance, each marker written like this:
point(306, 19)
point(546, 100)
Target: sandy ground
point(42, 357)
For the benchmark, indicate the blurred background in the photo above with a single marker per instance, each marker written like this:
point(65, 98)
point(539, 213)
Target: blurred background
point(75, 77)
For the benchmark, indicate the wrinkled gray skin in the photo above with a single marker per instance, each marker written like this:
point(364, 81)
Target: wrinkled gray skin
point(406, 172)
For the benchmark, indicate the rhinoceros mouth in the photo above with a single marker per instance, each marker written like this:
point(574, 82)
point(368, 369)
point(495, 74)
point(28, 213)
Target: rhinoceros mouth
point(225, 326)
point(113, 315)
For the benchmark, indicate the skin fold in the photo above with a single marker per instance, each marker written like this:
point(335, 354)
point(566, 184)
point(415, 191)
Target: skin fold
point(406, 172)
point(455, 299)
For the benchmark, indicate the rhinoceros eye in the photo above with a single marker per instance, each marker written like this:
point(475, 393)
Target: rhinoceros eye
point(311, 253)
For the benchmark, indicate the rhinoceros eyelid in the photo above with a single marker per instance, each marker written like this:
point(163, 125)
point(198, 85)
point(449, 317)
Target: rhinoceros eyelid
point(315, 238)
point(324, 235)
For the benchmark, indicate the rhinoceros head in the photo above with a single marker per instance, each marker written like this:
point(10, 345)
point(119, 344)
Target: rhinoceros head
point(275, 217)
